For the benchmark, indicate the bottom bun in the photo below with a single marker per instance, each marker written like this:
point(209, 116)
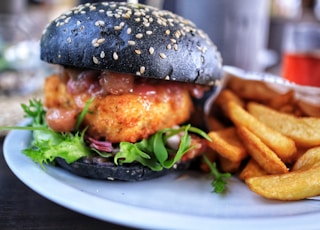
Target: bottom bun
point(106, 170)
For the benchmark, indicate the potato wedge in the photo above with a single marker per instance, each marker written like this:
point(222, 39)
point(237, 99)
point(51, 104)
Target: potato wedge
point(227, 143)
point(296, 185)
point(283, 146)
point(310, 159)
point(282, 100)
point(228, 166)
point(261, 153)
point(213, 124)
point(309, 109)
point(225, 97)
point(252, 169)
point(304, 131)
point(252, 90)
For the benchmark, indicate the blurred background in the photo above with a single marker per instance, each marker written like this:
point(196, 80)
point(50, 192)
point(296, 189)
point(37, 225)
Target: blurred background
point(250, 34)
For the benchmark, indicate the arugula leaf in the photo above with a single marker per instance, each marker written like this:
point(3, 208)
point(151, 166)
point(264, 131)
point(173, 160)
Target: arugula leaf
point(83, 113)
point(219, 179)
point(154, 152)
point(130, 152)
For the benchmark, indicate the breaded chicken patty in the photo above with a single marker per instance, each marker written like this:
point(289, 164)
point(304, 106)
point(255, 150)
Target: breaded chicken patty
point(126, 116)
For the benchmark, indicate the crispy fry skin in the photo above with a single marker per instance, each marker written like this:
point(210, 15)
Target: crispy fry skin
point(304, 131)
point(295, 185)
point(252, 169)
point(261, 153)
point(227, 143)
point(126, 117)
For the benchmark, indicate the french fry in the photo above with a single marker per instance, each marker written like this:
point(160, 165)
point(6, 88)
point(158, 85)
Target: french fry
point(213, 124)
point(227, 143)
point(283, 146)
point(261, 153)
point(295, 185)
point(282, 100)
point(228, 166)
point(252, 90)
point(225, 97)
point(252, 169)
point(304, 131)
point(310, 159)
point(309, 109)
point(269, 131)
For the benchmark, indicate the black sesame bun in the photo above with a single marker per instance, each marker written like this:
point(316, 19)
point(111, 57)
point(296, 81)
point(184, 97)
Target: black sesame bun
point(98, 168)
point(132, 38)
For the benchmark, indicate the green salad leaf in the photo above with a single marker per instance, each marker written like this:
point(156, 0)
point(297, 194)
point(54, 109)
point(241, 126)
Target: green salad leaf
point(154, 152)
point(48, 144)
point(219, 179)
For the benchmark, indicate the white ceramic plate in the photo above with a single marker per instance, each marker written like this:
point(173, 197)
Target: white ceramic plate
point(177, 201)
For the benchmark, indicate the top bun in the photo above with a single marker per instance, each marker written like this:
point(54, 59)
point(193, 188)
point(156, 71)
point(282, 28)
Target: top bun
point(132, 38)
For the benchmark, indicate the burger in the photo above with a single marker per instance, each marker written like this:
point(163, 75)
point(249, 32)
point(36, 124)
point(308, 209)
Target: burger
point(131, 85)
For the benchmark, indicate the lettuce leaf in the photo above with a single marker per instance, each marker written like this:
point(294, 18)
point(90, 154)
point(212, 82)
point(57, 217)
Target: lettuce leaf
point(48, 144)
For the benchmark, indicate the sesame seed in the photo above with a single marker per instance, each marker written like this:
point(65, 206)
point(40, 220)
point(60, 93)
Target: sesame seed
point(129, 30)
point(204, 49)
point(146, 24)
point(177, 34)
point(167, 32)
point(167, 78)
point(102, 54)
point(117, 27)
point(137, 19)
point(151, 50)
point(175, 47)
point(126, 15)
point(100, 40)
point(115, 56)
point(142, 69)
point(162, 55)
point(109, 13)
point(138, 73)
point(67, 20)
point(94, 42)
point(131, 43)
point(169, 47)
point(78, 23)
point(99, 23)
point(95, 60)
point(148, 32)
point(173, 40)
point(138, 52)
point(92, 8)
point(139, 35)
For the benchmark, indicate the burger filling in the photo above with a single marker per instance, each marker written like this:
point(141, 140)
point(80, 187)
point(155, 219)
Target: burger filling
point(125, 107)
